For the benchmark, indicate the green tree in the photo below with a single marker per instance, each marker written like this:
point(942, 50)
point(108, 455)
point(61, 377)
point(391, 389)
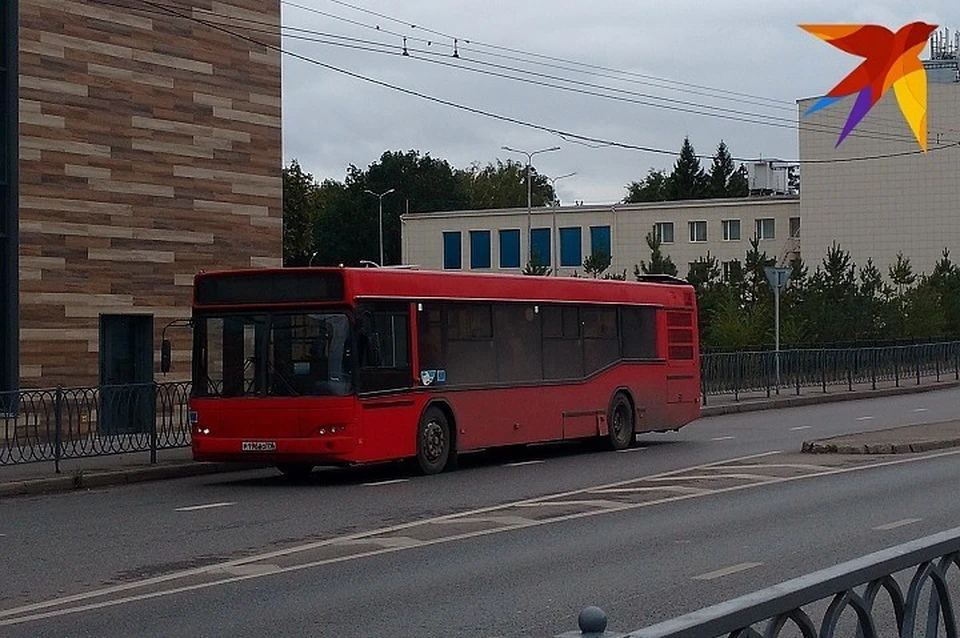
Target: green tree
point(720, 172)
point(652, 188)
point(596, 263)
point(945, 281)
point(659, 264)
point(300, 214)
point(832, 303)
point(687, 181)
point(739, 183)
point(504, 185)
point(901, 273)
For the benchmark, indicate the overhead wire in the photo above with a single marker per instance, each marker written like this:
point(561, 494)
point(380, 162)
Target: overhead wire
point(667, 103)
point(567, 135)
point(660, 82)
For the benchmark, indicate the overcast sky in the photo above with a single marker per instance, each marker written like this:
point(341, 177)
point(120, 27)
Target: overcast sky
point(706, 56)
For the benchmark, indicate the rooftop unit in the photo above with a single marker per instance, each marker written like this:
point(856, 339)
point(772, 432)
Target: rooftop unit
point(769, 177)
point(943, 67)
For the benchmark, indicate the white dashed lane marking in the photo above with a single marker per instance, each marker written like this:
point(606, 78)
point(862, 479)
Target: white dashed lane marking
point(919, 409)
point(208, 506)
point(520, 463)
point(801, 427)
point(864, 418)
point(896, 524)
point(390, 482)
point(632, 449)
point(723, 438)
point(726, 571)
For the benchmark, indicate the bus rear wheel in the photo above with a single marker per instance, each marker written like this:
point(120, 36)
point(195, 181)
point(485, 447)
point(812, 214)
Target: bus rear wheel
point(434, 441)
point(620, 423)
point(296, 471)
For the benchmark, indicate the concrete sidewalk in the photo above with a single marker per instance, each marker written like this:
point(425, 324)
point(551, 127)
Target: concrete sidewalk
point(37, 478)
point(101, 471)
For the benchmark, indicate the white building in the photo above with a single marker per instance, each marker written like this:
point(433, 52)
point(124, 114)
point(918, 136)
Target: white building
point(564, 236)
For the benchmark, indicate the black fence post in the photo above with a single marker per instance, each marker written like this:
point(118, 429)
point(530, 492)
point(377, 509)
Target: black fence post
point(937, 358)
point(823, 370)
point(956, 360)
point(849, 375)
point(873, 369)
point(58, 428)
point(896, 365)
point(736, 387)
point(153, 425)
point(916, 357)
point(765, 362)
point(799, 368)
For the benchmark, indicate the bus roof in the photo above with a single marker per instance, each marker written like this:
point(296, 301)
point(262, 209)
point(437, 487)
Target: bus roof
point(306, 285)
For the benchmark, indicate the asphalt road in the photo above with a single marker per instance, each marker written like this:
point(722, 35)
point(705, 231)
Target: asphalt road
point(344, 555)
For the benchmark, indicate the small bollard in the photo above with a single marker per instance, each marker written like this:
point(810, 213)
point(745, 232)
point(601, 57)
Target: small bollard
point(593, 624)
point(592, 620)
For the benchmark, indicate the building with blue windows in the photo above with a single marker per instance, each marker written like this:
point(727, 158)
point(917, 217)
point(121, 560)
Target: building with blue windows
point(563, 237)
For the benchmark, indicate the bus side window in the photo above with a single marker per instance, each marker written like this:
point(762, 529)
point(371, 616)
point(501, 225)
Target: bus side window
point(638, 332)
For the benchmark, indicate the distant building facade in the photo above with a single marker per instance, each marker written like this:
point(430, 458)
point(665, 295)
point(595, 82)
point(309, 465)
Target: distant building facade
point(143, 145)
point(563, 237)
point(899, 199)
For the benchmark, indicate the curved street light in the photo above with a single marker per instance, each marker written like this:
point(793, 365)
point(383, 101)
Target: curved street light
point(553, 220)
point(530, 155)
point(380, 197)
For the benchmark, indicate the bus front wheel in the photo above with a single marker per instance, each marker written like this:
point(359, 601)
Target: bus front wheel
point(620, 422)
point(434, 441)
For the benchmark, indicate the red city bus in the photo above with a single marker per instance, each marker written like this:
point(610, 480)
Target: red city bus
point(300, 367)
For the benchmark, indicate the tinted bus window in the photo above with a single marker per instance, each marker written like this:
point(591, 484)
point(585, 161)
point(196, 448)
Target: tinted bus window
point(601, 341)
point(517, 334)
point(469, 347)
point(562, 348)
point(639, 330)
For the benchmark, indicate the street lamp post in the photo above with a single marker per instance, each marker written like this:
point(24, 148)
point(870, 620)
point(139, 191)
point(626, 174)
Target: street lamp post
point(530, 155)
point(379, 196)
point(553, 220)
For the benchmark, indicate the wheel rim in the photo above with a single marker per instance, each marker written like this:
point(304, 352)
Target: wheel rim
point(619, 422)
point(434, 441)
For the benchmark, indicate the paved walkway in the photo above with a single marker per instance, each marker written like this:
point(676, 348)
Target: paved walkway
point(35, 478)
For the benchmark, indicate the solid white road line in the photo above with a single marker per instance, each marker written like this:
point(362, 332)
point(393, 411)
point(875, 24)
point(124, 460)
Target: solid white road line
point(389, 482)
point(896, 524)
point(519, 463)
point(722, 438)
point(726, 571)
point(863, 418)
point(801, 427)
point(208, 506)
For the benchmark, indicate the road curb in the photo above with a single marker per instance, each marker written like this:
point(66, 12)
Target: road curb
point(812, 399)
point(821, 447)
point(104, 478)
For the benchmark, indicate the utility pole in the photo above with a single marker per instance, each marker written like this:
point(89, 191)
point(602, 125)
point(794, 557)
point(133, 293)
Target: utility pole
point(380, 197)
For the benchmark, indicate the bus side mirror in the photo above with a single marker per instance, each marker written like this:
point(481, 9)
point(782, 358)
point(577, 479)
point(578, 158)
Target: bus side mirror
point(165, 356)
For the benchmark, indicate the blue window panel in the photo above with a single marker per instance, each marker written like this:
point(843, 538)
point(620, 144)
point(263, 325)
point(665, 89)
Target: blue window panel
point(509, 248)
point(540, 246)
point(451, 251)
point(479, 248)
point(600, 240)
point(570, 241)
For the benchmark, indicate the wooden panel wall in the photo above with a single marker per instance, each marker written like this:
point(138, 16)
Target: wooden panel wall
point(150, 148)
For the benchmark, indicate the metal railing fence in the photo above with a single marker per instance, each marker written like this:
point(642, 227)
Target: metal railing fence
point(67, 423)
point(915, 584)
point(735, 373)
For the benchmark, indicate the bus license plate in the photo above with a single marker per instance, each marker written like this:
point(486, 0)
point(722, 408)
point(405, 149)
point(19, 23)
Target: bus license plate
point(259, 446)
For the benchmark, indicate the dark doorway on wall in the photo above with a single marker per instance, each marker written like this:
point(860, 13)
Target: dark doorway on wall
point(126, 374)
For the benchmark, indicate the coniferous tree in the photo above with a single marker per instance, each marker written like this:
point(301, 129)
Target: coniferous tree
point(720, 173)
point(659, 264)
point(687, 181)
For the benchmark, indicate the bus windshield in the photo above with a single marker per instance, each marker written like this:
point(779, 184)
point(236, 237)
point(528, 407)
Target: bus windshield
point(273, 354)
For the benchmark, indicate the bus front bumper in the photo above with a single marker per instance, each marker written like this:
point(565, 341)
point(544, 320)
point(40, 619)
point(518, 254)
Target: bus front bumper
point(280, 450)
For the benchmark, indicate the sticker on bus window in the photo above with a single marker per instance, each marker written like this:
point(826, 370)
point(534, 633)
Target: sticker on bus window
point(427, 376)
point(441, 376)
